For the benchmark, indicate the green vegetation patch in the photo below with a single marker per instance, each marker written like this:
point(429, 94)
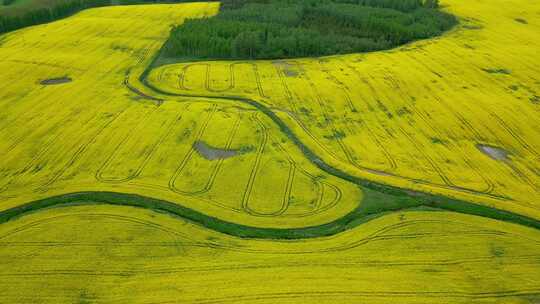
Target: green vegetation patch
point(8, 2)
point(374, 205)
point(498, 71)
point(379, 199)
point(270, 29)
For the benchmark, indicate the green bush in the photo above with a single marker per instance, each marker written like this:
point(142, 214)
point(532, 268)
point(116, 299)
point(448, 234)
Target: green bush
point(8, 2)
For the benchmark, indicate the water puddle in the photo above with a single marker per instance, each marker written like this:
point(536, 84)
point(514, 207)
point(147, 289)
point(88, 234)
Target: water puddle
point(493, 152)
point(211, 153)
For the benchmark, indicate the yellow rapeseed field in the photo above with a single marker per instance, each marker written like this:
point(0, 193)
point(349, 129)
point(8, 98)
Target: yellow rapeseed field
point(107, 254)
point(93, 133)
point(453, 116)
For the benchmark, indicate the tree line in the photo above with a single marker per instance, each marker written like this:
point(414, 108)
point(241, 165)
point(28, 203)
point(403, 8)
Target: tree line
point(59, 10)
point(43, 15)
point(268, 29)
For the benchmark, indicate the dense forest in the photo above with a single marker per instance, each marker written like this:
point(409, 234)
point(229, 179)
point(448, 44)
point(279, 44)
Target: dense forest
point(268, 29)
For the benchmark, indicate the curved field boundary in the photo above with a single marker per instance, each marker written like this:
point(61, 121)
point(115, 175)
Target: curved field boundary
point(253, 174)
point(232, 78)
point(182, 76)
point(268, 111)
point(297, 169)
point(423, 198)
point(373, 191)
point(347, 222)
point(208, 83)
point(137, 92)
point(257, 75)
point(446, 183)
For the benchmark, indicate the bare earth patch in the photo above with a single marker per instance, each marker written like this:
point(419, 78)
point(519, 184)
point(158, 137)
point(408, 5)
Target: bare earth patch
point(53, 81)
point(288, 69)
point(211, 153)
point(495, 153)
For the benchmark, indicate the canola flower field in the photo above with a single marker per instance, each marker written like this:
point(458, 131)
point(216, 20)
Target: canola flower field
point(245, 214)
point(98, 135)
point(450, 115)
point(111, 254)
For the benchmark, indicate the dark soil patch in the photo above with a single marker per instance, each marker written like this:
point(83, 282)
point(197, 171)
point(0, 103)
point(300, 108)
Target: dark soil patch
point(287, 68)
point(53, 81)
point(498, 71)
point(212, 153)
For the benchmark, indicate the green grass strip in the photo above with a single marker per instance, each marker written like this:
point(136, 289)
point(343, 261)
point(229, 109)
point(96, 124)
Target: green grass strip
point(395, 195)
point(360, 215)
